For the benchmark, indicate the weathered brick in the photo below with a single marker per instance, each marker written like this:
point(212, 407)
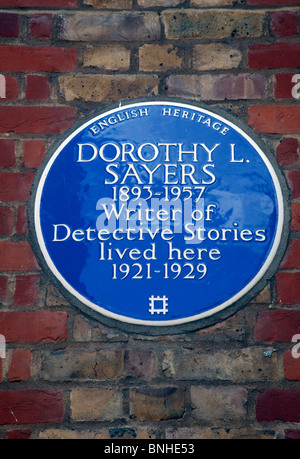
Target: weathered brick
point(295, 214)
point(107, 88)
point(202, 24)
point(291, 259)
point(293, 179)
point(287, 151)
point(85, 365)
point(15, 186)
point(283, 86)
point(141, 364)
point(157, 404)
point(292, 434)
point(41, 26)
point(217, 87)
point(37, 87)
point(12, 88)
point(216, 56)
point(274, 55)
point(7, 153)
point(18, 434)
point(240, 365)
point(111, 27)
point(164, 3)
point(278, 405)
point(54, 297)
point(291, 366)
point(284, 23)
point(37, 59)
point(218, 433)
point(26, 290)
point(4, 288)
point(36, 120)
point(275, 119)
point(20, 365)
point(30, 406)
point(99, 433)
point(33, 326)
point(159, 58)
point(33, 153)
point(211, 403)
point(7, 219)
point(231, 330)
point(111, 4)
point(211, 3)
point(107, 57)
point(22, 223)
point(82, 328)
point(17, 256)
point(278, 325)
point(272, 2)
point(288, 288)
point(96, 404)
point(10, 25)
point(38, 3)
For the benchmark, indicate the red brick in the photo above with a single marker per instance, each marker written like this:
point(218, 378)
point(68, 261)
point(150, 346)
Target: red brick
point(38, 3)
point(287, 151)
point(7, 153)
point(273, 2)
point(37, 59)
point(36, 120)
point(283, 86)
point(12, 88)
point(3, 288)
point(295, 213)
point(10, 25)
point(288, 288)
point(33, 326)
point(291, 259)
point(41, 26)
point(17, 256)
point(30, 406)
point(291, 366)
point(18, 434)
point(218, 87)
point(37, 87)
point(157, 404)
point(15, 186)
point(275, 119)
point(277, 325)
point(7, 217)
point(278, 405)
point(20, 365)
point(284, 23)
point(34, 152)
point(293, 179)
point(26, 290)
point(22, 224)
point(292, 434)
point(274, 55)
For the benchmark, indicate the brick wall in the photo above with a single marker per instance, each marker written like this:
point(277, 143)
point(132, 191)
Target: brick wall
point(67, 376)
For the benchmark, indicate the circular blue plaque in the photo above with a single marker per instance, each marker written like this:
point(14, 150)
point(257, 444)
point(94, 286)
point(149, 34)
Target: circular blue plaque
point(160, 216)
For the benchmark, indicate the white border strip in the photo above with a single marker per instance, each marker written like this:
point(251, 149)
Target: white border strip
point(130, 320)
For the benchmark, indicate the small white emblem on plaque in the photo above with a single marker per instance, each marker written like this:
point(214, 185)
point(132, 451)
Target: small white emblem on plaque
point(162, 301)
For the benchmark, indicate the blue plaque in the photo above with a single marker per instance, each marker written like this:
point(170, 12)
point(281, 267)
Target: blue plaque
point(160, 216)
